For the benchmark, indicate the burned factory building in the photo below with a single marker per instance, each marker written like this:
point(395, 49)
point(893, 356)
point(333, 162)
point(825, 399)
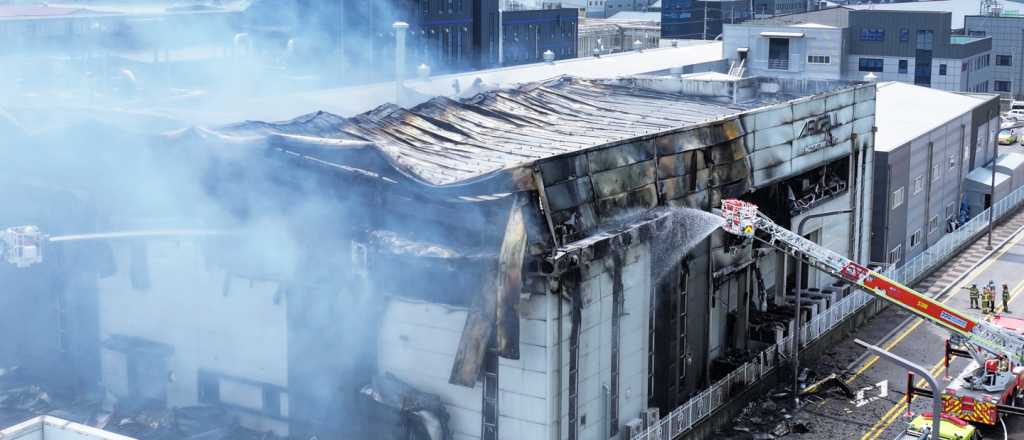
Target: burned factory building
point(541, 262)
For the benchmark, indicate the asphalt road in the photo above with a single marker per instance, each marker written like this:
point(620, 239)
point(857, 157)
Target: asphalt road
point(917, 341)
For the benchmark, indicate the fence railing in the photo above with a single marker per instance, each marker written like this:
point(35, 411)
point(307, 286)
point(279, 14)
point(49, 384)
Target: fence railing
point(687, 415)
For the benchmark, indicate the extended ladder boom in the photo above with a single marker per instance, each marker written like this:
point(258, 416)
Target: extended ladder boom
point(743, 219)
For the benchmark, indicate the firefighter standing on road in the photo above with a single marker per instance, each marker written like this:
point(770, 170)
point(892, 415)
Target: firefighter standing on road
point(986, 300)
point(974, 296)
point(1006, 299)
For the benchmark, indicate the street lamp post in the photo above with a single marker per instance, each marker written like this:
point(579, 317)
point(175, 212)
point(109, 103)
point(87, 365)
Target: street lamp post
point(796, 314)
point(936, 396)
point(992, 190)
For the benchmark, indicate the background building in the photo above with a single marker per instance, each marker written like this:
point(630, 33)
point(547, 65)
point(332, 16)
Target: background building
point(529, 33)
point(1007, 33)
point(456, 36)
point(616, 35)
point(909, 46)
point(928, 143)
point(698, 19)
point(918, 47)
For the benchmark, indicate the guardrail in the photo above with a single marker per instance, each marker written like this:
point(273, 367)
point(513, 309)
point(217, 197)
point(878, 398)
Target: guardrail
point(687, 415)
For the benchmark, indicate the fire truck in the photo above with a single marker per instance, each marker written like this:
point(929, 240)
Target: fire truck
point(995, 379)
point(988, 388)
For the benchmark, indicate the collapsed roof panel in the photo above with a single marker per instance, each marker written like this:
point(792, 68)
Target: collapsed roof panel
point(444, 142)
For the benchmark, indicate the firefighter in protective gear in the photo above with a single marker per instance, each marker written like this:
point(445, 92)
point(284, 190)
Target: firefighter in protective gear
point(986, 301)
point(974, 296)
point(1006, 299)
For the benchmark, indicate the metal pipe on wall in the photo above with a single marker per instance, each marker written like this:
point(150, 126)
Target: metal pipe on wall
point(798, 293)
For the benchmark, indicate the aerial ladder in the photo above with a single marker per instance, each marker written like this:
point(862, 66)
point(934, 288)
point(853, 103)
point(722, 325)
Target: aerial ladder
point(743, 219)
point(22, 246)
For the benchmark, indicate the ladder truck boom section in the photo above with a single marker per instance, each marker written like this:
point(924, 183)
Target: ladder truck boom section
point(744, 219)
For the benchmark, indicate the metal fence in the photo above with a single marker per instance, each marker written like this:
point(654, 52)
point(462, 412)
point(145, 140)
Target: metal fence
point(687, 415)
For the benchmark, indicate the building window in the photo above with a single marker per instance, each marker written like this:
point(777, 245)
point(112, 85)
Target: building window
point(973, 33)
point(1004, 60)
point(963, 66)
point(871, 64)
point(904, 35)
point(903, 66)
point(933, 224)
point(936, 171)
point(872, 34)
point(897, 198)
point(819, 59)
point(918, 185)
point(1001, 86)
point(950, 211)
point(942, 70)
point(895, 255)
point(952, 162)
point(925, 40)
point(915, 239)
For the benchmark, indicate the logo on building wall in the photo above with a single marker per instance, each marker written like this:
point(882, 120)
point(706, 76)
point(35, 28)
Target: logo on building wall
point(820, 125)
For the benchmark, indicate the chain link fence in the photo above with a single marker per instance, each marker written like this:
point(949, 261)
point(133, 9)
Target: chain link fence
point(687, 415)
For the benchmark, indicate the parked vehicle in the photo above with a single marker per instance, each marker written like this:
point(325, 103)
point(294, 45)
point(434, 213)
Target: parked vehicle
point(1007, 137)
point(950, 428)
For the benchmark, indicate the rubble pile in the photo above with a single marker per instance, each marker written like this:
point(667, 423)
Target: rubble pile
point(21, 399)
point(773, 417)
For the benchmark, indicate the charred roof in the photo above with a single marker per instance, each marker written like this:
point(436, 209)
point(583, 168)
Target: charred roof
point(447, 142)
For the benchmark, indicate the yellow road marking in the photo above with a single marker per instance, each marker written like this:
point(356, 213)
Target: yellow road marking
point(890, 416)
point(913, 326)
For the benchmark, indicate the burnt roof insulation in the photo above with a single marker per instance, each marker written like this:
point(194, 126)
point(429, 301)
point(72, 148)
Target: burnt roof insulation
point(446, 143)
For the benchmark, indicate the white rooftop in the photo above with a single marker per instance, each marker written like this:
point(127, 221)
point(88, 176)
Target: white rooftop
point(905, 111)
point(636, 16)
point(814, 26)
point(53, 428)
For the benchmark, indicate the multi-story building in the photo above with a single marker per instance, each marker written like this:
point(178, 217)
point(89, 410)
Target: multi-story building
point(601, 36)
point(528, 34)
point(448, 37)
point(927, 144)
point(696, 19)
point(699, 19)
point(918, 47)
point(807, 45)
point(1007, 33)
point(909, 46)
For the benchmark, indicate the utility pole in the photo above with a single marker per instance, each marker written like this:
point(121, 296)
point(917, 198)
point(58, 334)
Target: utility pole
point(705, 37)
point(501, 33)
point(992, 190)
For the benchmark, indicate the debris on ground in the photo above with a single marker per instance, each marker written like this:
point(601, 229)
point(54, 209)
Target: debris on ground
point(832, 381)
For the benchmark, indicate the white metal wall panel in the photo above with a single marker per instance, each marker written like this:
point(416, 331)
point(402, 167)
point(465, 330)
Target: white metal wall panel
point(181, 285)
point(418, 342)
